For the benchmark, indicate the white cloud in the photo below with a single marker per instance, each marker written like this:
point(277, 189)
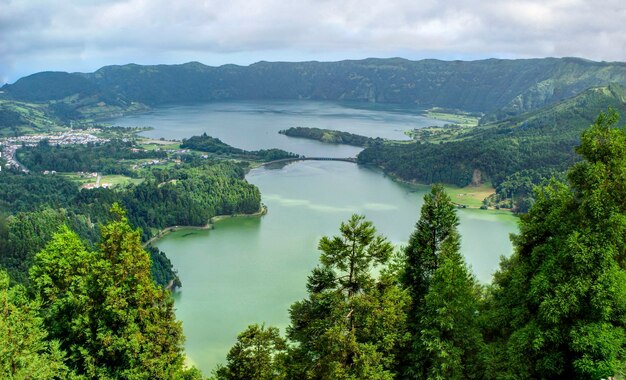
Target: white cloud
point(82, 35)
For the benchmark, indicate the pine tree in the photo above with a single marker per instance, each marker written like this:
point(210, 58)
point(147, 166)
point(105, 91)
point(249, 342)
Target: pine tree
point(450, 335)
point(104, 308)
point(349, 325)
point(558, 304)
point(437, 222)
point(257, 355)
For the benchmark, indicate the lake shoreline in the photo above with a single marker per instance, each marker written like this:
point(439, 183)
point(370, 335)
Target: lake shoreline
point(448, 187)
point(209, 226)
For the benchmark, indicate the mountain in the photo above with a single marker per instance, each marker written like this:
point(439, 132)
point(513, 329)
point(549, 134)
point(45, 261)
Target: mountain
point(498, 88)
point(537, 140)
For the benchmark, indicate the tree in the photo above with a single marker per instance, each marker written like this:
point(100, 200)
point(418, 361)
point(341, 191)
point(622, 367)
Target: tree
point(347, 327)
point(104, 308)
point(24, 351)
point(256, 355)
point(355, 253)
point(559, 303)
point(438, 221)
point(450, 334)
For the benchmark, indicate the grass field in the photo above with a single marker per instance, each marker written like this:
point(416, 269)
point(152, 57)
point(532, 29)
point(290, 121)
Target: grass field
point(116, 180)
point(459, 123)
point(470, 196)
point(113, 180)
point(161, 144)
point(463, 119)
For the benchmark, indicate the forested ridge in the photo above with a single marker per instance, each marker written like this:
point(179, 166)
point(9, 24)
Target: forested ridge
point(533, 145)
point(555, 309)
point(495, 87)
point(204, 143)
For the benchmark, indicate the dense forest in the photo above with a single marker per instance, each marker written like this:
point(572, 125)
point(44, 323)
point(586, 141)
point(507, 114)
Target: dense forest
point(330, 136)
point(555, 309)
point(103, 158)
point(90, 313)
point(540, 141)
point(191, 194)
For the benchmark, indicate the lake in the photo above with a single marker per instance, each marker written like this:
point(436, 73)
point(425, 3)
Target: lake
point(251, 269)
point(255, 125)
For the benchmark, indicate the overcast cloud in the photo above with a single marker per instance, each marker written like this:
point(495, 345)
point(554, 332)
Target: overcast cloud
point(83, 35)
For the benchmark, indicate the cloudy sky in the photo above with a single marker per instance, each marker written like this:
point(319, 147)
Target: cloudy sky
point(83, 35)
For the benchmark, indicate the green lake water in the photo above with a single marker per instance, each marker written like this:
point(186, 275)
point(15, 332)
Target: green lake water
point(251, 269)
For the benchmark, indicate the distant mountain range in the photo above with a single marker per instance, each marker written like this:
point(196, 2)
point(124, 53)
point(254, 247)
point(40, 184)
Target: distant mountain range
point(496, 88)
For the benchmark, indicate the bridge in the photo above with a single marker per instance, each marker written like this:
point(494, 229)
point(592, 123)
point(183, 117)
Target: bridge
point(286, 160)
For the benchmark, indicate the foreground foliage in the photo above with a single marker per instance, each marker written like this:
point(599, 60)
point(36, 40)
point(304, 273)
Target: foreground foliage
point(111, 319)
point(561, 298)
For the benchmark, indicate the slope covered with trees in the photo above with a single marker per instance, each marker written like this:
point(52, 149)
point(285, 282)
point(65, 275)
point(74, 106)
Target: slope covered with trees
point(37, 205)
point(96, 313)
point(329, 136)
point(214, 145)
point(538, 141)
point(498, 88)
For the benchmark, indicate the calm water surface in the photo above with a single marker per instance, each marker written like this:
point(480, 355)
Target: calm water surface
point(250, 270)
point(255, 125)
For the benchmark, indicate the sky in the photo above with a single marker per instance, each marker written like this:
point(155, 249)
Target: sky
point(84, 35)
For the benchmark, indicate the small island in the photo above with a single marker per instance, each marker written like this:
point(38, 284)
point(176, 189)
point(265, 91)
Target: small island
point(330, 136)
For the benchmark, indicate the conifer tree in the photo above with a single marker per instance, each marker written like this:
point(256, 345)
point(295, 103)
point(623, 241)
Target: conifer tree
point(104, 308)
point(437, 222)
point(449, 332)
point(349, 325)
point(257, 355)
point(559, 303)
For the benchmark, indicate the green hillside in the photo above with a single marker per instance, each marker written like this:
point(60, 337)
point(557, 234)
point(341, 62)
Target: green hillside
point(537, 140)
point(497, 88)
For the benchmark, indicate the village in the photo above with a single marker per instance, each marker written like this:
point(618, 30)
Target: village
point(10, 145)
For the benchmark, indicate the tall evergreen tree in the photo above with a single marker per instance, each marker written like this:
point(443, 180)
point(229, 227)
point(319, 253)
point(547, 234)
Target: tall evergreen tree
point(257, 355)
point(349, 325)
point(103, 306)
point(449, 332)
point(559, 303)
point(438, 220)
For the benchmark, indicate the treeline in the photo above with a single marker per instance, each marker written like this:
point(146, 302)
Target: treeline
point(555, 309)
point(189, 195)
point(330, 136)
point(90, 313)
point(205, 143)
point(104, 158)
